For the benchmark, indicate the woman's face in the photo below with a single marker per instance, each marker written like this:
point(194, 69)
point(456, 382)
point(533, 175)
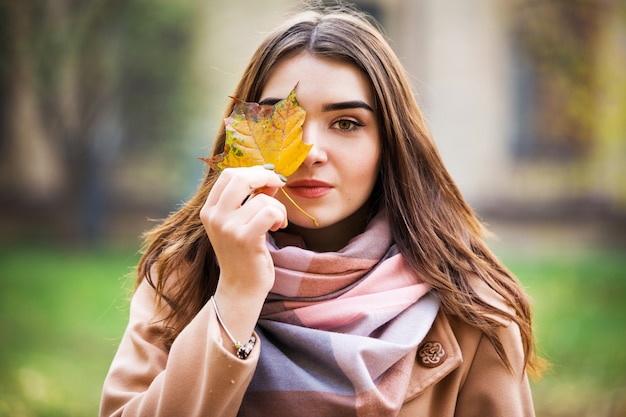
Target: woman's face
point(339, 173)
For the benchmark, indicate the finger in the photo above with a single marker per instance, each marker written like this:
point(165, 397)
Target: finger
point(270, 191)
point(217, 220)
point(247, 226)
point(264, 213)
point(234, 184)
point(245, 184)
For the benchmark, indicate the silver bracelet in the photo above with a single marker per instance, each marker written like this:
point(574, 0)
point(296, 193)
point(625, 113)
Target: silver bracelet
point(242, 351)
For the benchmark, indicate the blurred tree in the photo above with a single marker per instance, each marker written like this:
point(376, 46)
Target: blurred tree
point(556, 42)
point(570, 67)
point(83, 83)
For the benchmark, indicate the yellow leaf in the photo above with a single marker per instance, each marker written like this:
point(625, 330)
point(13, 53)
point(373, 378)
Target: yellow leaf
point(260, 136)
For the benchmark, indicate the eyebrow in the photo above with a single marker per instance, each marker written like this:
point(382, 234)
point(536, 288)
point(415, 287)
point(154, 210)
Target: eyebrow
point(354, 104)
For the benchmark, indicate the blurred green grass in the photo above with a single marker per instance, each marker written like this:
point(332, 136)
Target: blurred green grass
point(61, 317)
point(62, 314)
point(580, 321)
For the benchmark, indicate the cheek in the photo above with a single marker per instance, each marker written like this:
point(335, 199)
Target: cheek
point(364, 168)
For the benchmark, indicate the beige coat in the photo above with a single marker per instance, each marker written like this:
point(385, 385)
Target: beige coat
point(456, 373)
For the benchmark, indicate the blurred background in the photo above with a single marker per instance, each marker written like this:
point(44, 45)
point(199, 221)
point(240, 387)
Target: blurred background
point(106, 105)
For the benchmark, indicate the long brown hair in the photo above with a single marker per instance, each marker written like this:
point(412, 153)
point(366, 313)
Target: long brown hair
point(435, 229)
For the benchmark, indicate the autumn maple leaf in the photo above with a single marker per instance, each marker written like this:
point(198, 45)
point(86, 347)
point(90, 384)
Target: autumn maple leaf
point(268, 136)
point(259, 136)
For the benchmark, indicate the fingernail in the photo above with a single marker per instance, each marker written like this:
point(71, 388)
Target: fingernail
point(282, 177)
point(269, 167)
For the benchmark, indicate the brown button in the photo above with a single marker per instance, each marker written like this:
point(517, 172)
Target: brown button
point(432, 354)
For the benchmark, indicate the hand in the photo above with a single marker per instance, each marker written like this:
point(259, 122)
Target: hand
point(238, 231)
point(237, 215)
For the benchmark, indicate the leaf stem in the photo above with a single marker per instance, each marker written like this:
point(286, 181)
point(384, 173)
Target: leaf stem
point(315, 223)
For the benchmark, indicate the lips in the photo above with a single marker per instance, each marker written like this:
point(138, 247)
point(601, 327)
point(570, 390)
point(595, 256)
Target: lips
point(309, 188)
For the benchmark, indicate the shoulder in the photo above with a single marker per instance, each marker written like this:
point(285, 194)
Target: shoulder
point(473, 340)
point(492, 300)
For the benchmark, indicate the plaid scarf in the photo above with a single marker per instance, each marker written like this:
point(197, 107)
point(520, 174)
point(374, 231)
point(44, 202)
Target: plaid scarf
point(339, 330)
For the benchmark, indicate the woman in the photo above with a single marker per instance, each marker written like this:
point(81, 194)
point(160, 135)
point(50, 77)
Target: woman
point(391, 306)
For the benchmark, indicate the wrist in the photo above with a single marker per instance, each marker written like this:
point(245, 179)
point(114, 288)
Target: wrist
point(237, 313)
point(242, 350)
point(246, 283)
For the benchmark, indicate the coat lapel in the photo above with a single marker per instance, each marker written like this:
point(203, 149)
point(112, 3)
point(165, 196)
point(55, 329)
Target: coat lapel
point(437, 356)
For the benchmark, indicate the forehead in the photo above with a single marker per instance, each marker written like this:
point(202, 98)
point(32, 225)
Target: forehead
point(318, 79)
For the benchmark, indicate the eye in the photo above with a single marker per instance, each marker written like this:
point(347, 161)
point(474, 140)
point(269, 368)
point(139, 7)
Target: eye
point(347, 125)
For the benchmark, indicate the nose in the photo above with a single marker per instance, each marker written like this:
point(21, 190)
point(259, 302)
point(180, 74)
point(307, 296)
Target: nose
point(312, 135)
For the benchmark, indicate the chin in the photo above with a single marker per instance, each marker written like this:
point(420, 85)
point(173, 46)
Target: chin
point(306, 223)
point(302, 221)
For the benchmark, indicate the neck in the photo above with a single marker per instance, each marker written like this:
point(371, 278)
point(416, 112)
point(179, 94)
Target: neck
point(334, 237)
